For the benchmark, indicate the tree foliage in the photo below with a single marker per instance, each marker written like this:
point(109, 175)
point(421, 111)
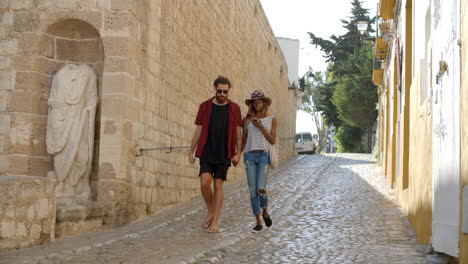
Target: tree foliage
point(355, 95)
point(349, 139)
point(346, 97)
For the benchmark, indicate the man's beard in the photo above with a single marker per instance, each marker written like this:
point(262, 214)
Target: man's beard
point(221, 99)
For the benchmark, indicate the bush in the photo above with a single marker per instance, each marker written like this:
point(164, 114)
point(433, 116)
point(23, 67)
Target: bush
point(349, 139)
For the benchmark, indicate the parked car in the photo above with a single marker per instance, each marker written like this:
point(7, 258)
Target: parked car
point(305, 143)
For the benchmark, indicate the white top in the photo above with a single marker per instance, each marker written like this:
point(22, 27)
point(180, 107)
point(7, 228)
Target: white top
point(255, 138)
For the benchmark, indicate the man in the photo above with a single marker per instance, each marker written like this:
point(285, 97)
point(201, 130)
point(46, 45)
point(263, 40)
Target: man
point(217, 140)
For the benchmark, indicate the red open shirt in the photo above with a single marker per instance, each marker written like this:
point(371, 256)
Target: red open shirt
point(203, 119)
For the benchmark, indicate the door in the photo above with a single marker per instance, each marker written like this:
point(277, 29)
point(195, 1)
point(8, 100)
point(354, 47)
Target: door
point(446, 127)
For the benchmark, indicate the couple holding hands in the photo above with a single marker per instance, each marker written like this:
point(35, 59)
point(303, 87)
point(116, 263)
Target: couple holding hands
point(219, 139)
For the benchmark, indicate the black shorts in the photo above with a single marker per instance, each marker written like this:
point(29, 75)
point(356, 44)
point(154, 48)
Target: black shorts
point(218, 171)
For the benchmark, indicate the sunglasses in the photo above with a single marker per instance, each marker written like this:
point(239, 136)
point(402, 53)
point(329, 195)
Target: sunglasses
point(222, 91)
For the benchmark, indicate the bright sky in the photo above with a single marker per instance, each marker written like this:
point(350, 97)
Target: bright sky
point(294, 18)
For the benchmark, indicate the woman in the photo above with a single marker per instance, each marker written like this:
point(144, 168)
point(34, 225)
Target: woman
point(259, 134)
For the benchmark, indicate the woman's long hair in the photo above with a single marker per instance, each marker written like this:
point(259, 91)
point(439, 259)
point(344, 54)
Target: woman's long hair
point(251, 113)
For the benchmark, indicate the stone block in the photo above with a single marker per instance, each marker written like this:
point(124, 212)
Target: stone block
point(21, 4)
point(27, 102)
point(4, 3)
point(115, 64)
point(29, 204)
point(78, 50)
point(39, 166)
point(76, 209)
point(21, 229)
point(116, 46)
point(7, 229)
point(65, 4)
point(26, 21)
point(34, 82)
point(35, 232)
point(3, 100)
point(5, 124)
point(117, 83)
point(105, 4)
point(28, 43)
point(113, 191)
point(48, 66)
point(120, 4)
point(24, 63)
point(8, 47)
point(7, 80)
point(86, 21)
point(42, 208)
point(116, 22)
point(5, 62)
point(73, 228)
point(6, 18)
point(46, 46)
point(107, 171)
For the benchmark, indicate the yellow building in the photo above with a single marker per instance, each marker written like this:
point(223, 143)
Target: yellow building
point(424, 118)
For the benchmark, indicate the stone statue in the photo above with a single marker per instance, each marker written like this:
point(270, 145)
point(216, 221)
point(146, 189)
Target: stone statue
point(70, 128)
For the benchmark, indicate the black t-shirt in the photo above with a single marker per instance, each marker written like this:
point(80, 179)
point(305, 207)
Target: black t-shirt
point(216, 148)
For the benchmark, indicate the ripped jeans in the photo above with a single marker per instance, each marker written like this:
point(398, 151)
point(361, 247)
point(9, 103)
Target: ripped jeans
point(256, 166)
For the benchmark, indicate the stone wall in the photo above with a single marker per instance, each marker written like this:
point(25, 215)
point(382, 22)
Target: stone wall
point(27, 211)
point(156, 62)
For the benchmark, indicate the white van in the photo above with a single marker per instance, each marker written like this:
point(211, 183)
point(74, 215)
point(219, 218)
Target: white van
point(305, 144)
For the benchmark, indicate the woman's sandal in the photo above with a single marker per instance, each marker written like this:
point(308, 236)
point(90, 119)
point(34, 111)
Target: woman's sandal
point(213, 230)
point(206, 224)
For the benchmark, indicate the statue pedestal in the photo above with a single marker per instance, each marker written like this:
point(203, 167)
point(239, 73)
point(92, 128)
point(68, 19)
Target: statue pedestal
point(77, 215)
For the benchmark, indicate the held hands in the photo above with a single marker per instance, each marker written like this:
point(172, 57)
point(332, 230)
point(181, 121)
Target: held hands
point(235, 159)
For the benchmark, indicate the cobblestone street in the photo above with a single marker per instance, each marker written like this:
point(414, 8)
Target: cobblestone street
point(325, 209)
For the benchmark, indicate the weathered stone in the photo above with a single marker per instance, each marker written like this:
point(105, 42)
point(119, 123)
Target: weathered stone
point(5, 62)
point(21, 230)
point(34, 82)
point(114, 83)
point(113, 191)
point(4, 3)
point(116, 22)
point(73, 228)
point(79, 51)
point(3, 100)
point(7, 229)
point(27, 102)
point(5, 124)
point(7, 80)
point(27, 43)
point(48, 66)
point(120, 4)
point(6, 18)
point(116, 46)
point(21, 4)
point(8, 47)
point(109, 127)
point(28, 207)
point(86, 22)
point(42, 208)
point(24, 63)
point(26, 21)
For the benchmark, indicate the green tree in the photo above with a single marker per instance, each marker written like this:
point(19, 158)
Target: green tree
point(355, 95)
point(347, 95)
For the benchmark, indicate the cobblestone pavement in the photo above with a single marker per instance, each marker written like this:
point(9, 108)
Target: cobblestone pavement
point(325, 209)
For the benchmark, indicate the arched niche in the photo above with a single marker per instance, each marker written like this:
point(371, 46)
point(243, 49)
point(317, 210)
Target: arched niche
point(77, 42)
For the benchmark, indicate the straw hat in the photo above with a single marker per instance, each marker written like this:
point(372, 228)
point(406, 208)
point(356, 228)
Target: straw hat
point(258, 95)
